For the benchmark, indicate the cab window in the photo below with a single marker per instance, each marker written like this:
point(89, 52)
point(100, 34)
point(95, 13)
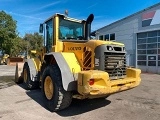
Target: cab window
point(49, 35)
point(70, 30)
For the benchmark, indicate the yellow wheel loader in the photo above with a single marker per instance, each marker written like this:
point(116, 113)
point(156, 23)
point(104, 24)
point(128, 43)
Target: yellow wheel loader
point(71, 65)
point(7, 60)
point(3, 59)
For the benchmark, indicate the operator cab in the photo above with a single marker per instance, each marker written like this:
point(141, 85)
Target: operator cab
point(65, 29)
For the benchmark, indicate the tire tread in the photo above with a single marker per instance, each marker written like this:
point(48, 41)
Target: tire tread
point(64, 98)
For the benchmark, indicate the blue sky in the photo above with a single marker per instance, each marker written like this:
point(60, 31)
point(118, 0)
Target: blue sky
point(30, 13)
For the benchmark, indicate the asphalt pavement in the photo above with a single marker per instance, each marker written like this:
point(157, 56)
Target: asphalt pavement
point(140, 103)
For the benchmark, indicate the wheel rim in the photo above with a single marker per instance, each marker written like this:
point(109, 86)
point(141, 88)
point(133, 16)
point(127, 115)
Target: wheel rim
point(25, 75)
point(48, 87)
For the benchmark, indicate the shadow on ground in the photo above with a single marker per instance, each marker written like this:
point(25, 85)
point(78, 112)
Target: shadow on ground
point(77, 106)
point(34, 94)
point(81, 106)
point(6, 81)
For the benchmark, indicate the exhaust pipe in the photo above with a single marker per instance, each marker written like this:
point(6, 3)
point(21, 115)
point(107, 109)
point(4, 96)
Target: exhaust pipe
point(88, 26)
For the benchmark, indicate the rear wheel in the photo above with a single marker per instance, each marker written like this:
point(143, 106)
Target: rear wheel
point(54, 95)
point(27, 78)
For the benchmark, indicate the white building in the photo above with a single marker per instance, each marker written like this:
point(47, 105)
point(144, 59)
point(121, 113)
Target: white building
point(140, 33)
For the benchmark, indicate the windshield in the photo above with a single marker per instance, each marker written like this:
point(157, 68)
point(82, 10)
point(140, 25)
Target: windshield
point(70, 30)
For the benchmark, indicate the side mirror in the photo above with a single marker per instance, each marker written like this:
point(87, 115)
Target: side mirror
point(41, 28)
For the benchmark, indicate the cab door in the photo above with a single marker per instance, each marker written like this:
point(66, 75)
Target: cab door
point(49, 35)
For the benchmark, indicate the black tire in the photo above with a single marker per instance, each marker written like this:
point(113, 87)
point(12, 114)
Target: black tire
point(20, 80)
point(60, 99)
point(29, 83)
point(6, 61)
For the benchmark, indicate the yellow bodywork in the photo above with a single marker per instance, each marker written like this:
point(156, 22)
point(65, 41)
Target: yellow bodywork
point(37, 63)
point(80, 57)
point(94, 43)
point(79, 53)
point(72, 62)
point(74, 54)
point(103, 86)
point(38, 59)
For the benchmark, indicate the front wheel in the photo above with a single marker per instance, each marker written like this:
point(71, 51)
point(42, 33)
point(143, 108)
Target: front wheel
point(54, 95)
point(27, 78)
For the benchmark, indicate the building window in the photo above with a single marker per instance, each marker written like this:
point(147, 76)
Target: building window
point(152, 51)
point(139, 41)
point(151, 57)
point(143, 46)
point(158, 39)
point(158, 60)
point(152, 34)
point(142, 35)
point(152, 40)
point(107, 37)
point(142, 63)
point(151, 63)
point(142, 57)
point(158, 33)
point(141, 51)
point(152, 60)
point(112, 36)
point(150, 46)
point(101, 37)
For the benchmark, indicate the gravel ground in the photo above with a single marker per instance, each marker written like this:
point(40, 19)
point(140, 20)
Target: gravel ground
point(140, 103)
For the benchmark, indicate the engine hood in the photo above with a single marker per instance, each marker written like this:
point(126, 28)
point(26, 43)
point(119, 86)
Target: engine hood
point(95, 43)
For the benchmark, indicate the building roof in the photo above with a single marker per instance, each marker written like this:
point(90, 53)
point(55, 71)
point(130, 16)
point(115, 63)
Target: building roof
point(155, 5)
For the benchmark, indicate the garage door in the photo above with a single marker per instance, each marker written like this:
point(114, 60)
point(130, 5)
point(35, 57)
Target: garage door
point(148, 51)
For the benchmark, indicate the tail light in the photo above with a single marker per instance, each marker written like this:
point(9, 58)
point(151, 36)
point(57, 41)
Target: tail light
point(91, 82)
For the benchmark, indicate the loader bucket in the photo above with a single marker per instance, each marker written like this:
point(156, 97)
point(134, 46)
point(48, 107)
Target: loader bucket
point(14, 60)
point(19, 72)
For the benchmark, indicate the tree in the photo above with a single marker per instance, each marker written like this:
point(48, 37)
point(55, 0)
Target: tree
point(7, 32)
point(34, 41)
point(19, 46)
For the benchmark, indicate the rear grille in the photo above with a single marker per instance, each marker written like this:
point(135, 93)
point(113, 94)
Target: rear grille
point(115, 65)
